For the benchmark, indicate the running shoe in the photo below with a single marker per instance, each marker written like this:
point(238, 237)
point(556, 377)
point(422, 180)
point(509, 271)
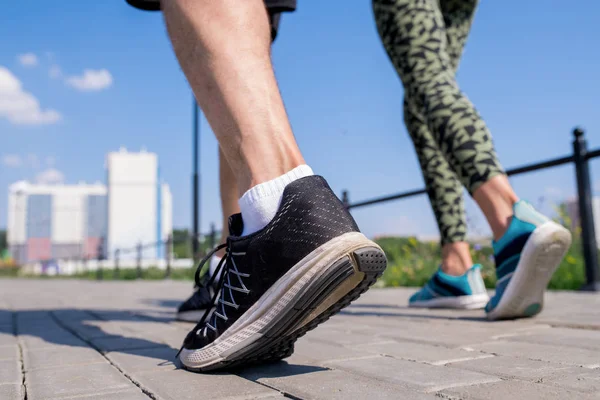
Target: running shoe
point(526, 257)
point(307, 264)
point(196, 305)
point(466, 291)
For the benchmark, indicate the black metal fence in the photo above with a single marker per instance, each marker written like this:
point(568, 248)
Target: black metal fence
point(197, 252)
point(580, 157)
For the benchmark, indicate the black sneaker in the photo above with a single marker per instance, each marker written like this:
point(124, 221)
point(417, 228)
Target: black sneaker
point(308, 263)
point(194, 308)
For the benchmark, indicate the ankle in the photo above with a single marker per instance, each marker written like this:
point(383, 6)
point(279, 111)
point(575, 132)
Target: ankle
point(496, 199)
point(260, 203)
point(456, 258)
point(453, 269)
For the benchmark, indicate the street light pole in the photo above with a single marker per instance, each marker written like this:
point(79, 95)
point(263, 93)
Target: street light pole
point(196, 183)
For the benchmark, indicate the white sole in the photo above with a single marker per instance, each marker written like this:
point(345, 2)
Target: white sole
point(278, 299)
point(470, 302)
point(541, 256)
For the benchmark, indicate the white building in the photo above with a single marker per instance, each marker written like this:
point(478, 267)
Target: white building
point(58, 222)
point(139, 204)
point(55, 221)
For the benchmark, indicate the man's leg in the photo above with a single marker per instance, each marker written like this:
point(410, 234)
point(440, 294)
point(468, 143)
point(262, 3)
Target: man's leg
point(223, 48)
point(194, 307)
point(295, 255)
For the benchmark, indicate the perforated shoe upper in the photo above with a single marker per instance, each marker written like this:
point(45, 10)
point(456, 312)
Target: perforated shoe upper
point(309, 216)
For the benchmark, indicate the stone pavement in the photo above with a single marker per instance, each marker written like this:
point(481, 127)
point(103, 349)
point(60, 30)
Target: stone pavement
point(68, 339)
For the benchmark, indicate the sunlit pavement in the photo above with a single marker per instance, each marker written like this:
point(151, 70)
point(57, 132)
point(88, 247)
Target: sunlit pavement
point(73, 339)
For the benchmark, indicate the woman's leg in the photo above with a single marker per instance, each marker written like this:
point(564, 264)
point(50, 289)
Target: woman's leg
point(415, 36)
point(445, 194)
point(445, 191)
point(528, 247)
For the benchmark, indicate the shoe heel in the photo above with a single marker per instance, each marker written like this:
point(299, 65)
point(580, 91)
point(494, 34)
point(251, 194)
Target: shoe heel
point(370, 260)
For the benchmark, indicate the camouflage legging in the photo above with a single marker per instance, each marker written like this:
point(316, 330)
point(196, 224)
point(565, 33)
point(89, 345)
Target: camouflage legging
point(424, 40)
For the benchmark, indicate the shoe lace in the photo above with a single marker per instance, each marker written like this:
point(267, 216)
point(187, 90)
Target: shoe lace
point(224, 290)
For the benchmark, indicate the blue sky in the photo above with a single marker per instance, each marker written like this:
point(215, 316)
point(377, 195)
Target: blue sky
point(532, 72)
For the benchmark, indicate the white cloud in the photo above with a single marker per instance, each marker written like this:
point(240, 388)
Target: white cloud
point(55, 72)
point(50, 176)
point(28, 59)
point(20, 107)
point(91, 80)
point(12, 160)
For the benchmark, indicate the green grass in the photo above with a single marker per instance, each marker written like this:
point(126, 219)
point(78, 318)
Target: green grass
point(124, 274)
point(411, 263)
point(9, 272)
point(130, 274)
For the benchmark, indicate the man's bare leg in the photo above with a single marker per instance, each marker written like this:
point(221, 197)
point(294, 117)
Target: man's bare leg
point(229, 196)
point(308, 260)
point(199, 301)
point(224, 50)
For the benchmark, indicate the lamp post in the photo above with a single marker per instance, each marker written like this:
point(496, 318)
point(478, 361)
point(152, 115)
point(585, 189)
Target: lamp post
point(196, 183)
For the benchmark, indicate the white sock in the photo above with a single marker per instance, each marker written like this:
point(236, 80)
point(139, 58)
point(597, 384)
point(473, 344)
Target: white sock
point(213, 264)
point(261, 202)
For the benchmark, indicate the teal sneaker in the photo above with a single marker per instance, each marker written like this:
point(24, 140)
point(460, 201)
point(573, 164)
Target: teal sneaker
point(526, 258)
point(466, 291)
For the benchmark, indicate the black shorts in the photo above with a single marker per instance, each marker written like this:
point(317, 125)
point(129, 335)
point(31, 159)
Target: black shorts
point(274, 7)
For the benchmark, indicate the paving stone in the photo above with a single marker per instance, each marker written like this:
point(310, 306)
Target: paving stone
point(558, 354)
point(45, 321)
point(173, 336)
point(95, 329)
point(72, 315)
point(309, 382)
point(60, 357)
point(578, 379)
point(511, 367)
point(86, 329)
point(514, 390)
point(452, 334)
point(7, 339)
point(129, 315)
point(413, 375)
point(315, 351)
point(24, 315)
point(343, 337)
point(113, 343)
point(7, 329)
point(573, 317)
point(133, 394)
point(6, 317)
point(50, 338)
point(72, 381)
point(582, 338)
point(13, 391)
point(9, 352)
point(434, 355)
point(10, 372)
point(144, 359)
point(181, 385)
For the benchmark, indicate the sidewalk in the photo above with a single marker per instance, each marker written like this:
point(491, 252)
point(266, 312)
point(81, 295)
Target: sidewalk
point(117, 341)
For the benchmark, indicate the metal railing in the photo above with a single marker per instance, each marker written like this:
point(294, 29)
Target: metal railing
point(168, 251)
point(580, 157)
